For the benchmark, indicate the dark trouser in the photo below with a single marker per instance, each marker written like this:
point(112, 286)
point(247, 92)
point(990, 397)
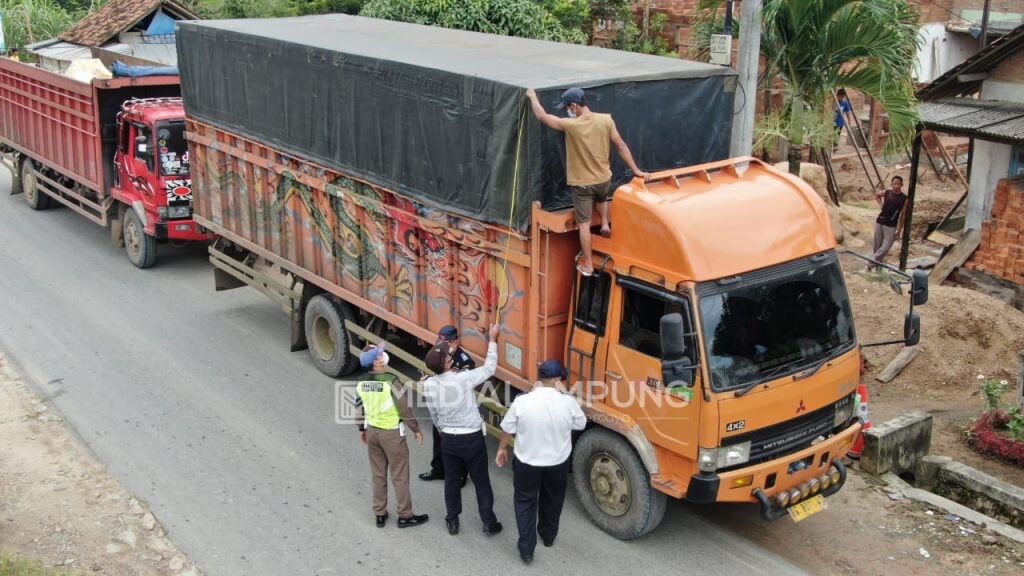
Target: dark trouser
point(539, 495)
point(437, 462)
point(462, 454)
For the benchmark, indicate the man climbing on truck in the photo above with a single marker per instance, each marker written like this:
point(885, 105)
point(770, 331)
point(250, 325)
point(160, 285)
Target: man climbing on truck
point(588, 173)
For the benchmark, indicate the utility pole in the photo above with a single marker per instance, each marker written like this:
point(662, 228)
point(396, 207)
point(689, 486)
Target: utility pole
point(745, 100)
point(984, 24)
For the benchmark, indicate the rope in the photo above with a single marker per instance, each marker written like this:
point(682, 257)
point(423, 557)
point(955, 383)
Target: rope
point(511, 213)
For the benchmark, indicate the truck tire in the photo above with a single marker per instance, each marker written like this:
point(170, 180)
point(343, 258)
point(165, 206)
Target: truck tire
point(614, 487)
point(36, 199)
point(141, 247)
point(326, 335)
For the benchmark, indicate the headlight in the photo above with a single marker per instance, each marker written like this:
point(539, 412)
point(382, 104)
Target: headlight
point(178, 211)
point(161, 212)
point(711, 459)
point(844, 411)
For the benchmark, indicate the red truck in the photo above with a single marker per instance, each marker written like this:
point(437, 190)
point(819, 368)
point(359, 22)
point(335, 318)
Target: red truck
point(112, 150)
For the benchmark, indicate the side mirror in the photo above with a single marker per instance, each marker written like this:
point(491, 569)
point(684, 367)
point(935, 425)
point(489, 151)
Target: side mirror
point(919, 287)
point(675, 366)
point(912, 329)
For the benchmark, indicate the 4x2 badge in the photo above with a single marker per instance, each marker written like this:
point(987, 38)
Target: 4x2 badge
point(734, 426)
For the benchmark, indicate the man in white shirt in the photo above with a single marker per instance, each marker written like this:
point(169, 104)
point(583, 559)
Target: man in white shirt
point(542, 422)
point(451, 398)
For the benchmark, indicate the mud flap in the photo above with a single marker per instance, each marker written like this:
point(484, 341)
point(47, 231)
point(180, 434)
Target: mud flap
point(10, 161)
point(298, 315)
point(117, 224)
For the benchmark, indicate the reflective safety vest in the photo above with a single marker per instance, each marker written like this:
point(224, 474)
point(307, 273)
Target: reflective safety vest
point(378, 404)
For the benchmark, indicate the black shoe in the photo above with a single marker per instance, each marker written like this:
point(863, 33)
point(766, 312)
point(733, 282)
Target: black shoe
point(453, 526)
point(548, 543)
point(526, 558)
point(428, 476)
point(414, 520)
point(493, 529)
point(382, 520)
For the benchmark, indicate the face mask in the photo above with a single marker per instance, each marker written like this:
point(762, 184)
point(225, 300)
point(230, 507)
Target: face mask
point(571, 113)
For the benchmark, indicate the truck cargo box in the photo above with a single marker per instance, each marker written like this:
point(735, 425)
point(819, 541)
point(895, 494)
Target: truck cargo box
point(67, 125)
point(440, 115)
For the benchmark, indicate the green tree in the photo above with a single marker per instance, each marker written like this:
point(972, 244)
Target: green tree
point(328, 6)
point(818, 47)
point(524, 18)
point(28, 21)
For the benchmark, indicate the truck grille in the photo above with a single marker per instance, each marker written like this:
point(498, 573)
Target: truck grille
point(786, 437)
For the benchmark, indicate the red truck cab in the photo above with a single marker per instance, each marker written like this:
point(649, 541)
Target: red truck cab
point(152, 177)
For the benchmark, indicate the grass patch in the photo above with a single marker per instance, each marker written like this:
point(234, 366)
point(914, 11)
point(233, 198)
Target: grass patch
point(10, 566)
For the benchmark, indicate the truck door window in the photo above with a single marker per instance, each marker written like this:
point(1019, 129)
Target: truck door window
point(592, 302)
point(147, 157)
point(126, 135)
point(173, 149)
point(640, 329)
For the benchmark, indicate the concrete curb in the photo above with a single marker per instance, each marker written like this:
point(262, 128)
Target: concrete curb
point(951, 507)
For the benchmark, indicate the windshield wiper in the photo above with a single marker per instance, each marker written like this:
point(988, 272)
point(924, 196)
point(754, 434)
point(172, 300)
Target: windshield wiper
point(811, 371)
point(782, 368)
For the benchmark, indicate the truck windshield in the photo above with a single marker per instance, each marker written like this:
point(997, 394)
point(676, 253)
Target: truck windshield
point(776, 321)
point(172, 148)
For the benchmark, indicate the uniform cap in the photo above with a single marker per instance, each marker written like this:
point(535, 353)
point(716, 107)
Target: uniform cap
point(552, 369)
point(435, 358)
point(448, 333)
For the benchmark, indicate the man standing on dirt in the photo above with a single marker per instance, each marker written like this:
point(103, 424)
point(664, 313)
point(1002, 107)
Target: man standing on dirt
point(383, 414)
point(451, 398)
point(889, 224)
point(542, 422)
point(588, 139)
point(460, 361)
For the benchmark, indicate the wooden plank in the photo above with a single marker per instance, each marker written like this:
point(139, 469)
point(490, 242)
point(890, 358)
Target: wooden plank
point(898, 364)
point(955, 257)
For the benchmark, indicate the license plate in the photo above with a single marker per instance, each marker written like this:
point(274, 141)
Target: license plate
point(809, 507)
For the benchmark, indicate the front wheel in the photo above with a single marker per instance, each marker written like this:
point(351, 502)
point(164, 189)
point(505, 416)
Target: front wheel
point(327, 337)
point(141, 247)
point(36, 199)
point(614, 487)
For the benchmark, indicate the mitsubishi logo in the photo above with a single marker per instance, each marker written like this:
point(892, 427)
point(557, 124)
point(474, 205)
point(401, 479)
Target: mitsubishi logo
point(801, 407)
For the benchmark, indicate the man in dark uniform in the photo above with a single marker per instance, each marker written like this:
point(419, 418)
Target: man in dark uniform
point(460, 361)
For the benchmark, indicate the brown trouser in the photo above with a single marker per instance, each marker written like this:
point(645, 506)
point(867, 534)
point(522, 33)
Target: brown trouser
point(388, 449)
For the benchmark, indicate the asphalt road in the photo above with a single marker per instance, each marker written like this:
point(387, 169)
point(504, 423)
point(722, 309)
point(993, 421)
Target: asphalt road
point(192, 399)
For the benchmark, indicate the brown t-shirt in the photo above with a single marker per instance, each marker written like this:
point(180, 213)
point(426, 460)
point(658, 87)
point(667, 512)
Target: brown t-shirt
point(587, 147)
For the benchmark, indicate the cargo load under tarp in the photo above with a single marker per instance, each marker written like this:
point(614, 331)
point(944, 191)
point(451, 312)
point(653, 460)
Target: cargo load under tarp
point(438, 114)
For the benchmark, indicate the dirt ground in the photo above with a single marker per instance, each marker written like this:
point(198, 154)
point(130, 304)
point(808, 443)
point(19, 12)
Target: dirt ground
point(964, 333)
point(59, 506)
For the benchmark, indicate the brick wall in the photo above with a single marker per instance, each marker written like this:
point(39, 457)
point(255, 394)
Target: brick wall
point(1001, 252)
point(1011, 69)
point(940, 10)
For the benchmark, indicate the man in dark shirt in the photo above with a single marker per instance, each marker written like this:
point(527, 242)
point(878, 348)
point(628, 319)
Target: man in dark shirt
point(889, 224)
point(460, 361)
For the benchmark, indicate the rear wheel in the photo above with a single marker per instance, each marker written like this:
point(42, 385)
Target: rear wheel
point(141, 247)
point(326, 335)
point(614, 487)
point(36, 199)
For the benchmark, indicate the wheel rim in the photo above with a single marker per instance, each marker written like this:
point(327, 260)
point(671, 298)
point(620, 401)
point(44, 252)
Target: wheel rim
point(132, 238)
point(609, 484)
point(28, 179)
point(323, 338)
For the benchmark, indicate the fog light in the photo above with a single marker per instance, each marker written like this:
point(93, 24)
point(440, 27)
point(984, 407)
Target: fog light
point(782, 499)
point(742, 481)
point(805, 490)
point(825, 481)
point(833, 473)
point(794, 496)
point(815, 485)
point(161, 212)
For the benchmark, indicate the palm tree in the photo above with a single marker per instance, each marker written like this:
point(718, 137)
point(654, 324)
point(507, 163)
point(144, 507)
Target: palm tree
point(818, 46)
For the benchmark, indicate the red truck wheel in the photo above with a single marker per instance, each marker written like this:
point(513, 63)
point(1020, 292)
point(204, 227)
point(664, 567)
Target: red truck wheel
point(141, 247)
point(327, 337)
point(36, 199)
point(614, 487)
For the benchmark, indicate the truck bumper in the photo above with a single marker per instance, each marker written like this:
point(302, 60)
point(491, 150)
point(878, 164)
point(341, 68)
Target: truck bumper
point(761, 482)
point(180, 231)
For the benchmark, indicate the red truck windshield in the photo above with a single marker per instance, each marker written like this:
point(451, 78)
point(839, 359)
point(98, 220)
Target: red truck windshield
point(172, 148)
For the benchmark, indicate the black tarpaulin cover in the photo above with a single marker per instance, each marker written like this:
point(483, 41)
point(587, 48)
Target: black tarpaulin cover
point(439, 114)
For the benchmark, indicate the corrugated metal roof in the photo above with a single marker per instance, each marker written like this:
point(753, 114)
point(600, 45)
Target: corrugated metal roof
point(165, 53)
point(66, 51)
point(950, 83)
point(985, 119)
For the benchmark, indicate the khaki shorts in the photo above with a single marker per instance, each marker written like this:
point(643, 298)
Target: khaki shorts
point(584, 197)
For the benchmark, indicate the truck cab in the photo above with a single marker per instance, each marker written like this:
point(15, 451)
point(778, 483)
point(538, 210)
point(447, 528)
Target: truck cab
point(152, 177)
point(716, 337)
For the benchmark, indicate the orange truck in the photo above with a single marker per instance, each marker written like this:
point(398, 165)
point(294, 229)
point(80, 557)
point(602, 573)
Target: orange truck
point(713, 350)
